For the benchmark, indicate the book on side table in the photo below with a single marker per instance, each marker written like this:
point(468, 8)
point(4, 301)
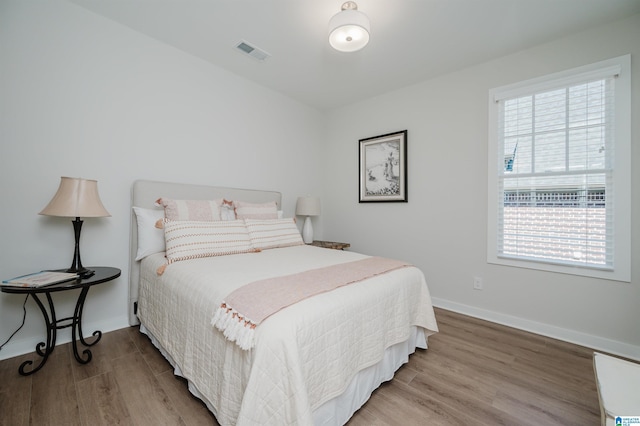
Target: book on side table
point(40, 279)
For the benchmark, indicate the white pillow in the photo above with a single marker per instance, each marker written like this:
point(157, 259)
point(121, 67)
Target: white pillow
point(191, 239)
point(150, 238)
point(228, 211)
point(256, 211)
point(190, 209)
point(273, 233)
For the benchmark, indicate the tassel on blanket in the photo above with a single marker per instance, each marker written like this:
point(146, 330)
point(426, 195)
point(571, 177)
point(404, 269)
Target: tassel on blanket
point(161, 269)
point(235, 327)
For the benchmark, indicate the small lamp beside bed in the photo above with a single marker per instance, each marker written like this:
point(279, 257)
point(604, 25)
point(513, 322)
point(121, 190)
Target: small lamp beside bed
point(76, 197)
point(308, 206)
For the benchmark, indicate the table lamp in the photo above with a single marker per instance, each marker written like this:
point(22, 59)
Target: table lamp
point(76, 197)
point(307, 206)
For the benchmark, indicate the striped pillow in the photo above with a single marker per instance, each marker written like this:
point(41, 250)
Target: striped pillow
point(256, 211)
point(273, 233)
point(204, 210)
point(188, 239)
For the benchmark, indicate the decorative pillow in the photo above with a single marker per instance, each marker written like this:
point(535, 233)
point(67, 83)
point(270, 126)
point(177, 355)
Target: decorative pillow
point(273, 233)
point(190, 239)
point(201, 210)
point(256, 211)
point(150, 238)
point(227, 210)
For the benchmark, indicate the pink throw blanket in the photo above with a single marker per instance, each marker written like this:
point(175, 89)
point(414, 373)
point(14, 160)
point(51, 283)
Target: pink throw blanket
point(246, 307)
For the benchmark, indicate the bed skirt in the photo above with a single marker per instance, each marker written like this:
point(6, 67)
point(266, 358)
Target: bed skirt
point(339, 410)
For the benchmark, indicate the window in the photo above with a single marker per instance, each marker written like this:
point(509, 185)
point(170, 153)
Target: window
point(559, 172)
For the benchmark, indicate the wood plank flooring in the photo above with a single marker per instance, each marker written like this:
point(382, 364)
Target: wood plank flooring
point(474, 373)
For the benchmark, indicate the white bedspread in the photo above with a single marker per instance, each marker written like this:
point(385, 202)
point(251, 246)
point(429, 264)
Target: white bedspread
point(305, 354)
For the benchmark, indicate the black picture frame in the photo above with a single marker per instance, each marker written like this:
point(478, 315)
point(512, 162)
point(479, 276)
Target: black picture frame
point(383, 168)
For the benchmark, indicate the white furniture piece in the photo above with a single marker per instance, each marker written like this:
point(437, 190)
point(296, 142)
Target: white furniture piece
point(618, 383)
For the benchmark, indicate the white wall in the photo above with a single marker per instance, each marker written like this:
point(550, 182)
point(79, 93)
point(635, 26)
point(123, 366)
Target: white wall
point(83, 96)
point(443, 227)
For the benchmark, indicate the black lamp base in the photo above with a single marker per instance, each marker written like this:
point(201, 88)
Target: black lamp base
point(76, 266)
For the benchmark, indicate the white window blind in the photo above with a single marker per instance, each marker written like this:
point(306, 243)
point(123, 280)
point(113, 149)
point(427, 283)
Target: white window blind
point(555, 171)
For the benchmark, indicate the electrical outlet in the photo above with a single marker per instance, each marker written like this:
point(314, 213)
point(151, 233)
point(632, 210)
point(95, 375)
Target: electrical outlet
point(477, 283)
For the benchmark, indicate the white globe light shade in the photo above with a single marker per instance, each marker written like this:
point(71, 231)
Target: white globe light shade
point(349, 31)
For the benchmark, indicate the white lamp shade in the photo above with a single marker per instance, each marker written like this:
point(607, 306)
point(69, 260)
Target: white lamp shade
point(76, 197)
point(308, 206)
point(349, 31)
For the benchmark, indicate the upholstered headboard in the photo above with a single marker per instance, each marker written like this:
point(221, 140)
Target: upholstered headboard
point(144, 193)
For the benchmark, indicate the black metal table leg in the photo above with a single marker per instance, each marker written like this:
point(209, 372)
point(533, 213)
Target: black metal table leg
point(78, 315)
point(77, 325)
point(101, 275)
point(53, 325)
point(51, 330)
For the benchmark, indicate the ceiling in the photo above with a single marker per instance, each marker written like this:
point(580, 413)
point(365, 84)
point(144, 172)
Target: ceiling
point(411, 40)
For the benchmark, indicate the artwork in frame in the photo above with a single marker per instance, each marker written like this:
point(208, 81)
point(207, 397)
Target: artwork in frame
point(383, 168)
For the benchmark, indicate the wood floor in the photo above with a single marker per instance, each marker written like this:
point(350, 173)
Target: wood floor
point(474, 373)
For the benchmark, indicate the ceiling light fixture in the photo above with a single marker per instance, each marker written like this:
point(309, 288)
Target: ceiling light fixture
point(349, 29)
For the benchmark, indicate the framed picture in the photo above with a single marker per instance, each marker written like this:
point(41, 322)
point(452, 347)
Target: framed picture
point(383, 168)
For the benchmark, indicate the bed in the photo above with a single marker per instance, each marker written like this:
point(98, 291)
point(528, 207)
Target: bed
point(316, 361)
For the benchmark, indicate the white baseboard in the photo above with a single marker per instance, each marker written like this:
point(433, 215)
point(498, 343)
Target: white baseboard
point(27, 345)
point(594, 342)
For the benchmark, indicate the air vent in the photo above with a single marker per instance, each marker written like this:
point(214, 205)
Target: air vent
point(253, 51)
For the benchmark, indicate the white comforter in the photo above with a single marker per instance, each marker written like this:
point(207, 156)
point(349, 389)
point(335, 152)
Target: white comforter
point(305, 354)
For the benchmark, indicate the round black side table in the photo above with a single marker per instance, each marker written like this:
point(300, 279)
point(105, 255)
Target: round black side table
point(101, 275)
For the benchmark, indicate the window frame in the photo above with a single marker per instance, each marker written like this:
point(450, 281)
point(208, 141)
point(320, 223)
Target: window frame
point(621, 66)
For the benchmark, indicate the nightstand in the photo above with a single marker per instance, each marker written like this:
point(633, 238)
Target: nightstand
point(330, 245)
point(53, 324)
